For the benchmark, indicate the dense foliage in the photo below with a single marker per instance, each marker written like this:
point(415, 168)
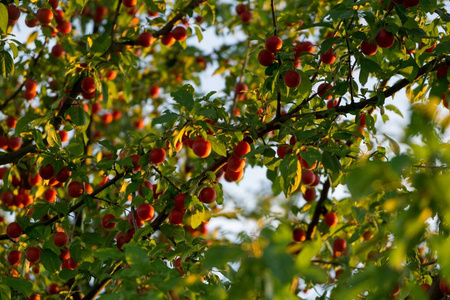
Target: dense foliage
point(113, 162)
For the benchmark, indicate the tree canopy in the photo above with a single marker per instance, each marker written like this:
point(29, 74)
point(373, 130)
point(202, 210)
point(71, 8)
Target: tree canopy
point(114, 150)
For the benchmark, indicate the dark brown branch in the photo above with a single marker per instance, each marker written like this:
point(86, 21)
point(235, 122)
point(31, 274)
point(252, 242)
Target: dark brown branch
point(116, 16)
point(13, 157)
point(318, 210)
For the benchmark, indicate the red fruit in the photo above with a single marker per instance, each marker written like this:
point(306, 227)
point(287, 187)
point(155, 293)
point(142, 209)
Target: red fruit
point(129, 3)
point(63, 135)
point(50, 195)
point(411, 3)
point(14, 257)
point(46, 172)
point(179, 33)
point(367, 235)
point(442, 71)
point(305, 46)
point(107, 223)
point(16, 181)
point(310, 194)
point(30, 85)
point(13, 230)
point(13, 14)
point(111, 74)
point(4, 142)
point(316, 180)
point(235, 163)
point(385, 39)
point(331, 104)
point(444, 286)
point(240, 8)
point(145, 39)
point(7, 198)
point(60, 239)
point(207, 195)
point(154, 91)
point(323, 88)
point(59, 16)
point(11, 122)
point(15, 143)
point(75, 189)
point(425, 287)
point(3, 171)
point(107, 118)
point(273, 43)
point(65, 27)
point(176, 216)
point(53, 3)
point(299, 235)
point(201, 148)
point(45, 16)
point(308, 177)
point(241, 149)
point(33, 254)
point(88, 85)
point(328, 57)
point(139, 221)
point(368, 49)
point(96, 108)
point(29, 95)
point(53, 289)
point(292, 79)
point(179, 202)
point(232, 176)
point(145, 212)
point(31, 22)
point(69, 263)
point(57, 51)
point(240, 91)
point(339, 245)
point(63, 174)
point(282, 150)
point(266, 58)
point(168, 40)
point(157, 156)
point(331, 219)
point(246, 17)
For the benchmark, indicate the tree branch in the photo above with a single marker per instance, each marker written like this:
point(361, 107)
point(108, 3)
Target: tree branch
point(318, 210)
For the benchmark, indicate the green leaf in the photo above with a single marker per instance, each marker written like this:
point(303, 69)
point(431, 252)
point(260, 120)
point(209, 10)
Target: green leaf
point(199, 33)
point(291, 174)
point(67, 274)
point(53, 138)
point(184, 96)
point(132, 187)
point(217, 146)
point(220, 255)
point(177, 232)
point(3, 18)
point(108, 253)
point(77, 115)
point(18, 284)
point(393, 144)
point(14, 50)
point(168, 117)
point(330, 162)
point(197, 218)
point(137, 258)
point(50, 260)
point(6, 64)
point(5, 292)
point(92, 238)
point(24, 122)
point(101, 44)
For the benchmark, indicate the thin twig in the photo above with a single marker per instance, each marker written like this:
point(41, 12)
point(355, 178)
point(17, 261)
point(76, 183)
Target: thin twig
point(166, 178)
point(318, 210)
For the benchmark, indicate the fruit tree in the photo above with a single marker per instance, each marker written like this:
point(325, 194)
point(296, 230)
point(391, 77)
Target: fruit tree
point(119, 149)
